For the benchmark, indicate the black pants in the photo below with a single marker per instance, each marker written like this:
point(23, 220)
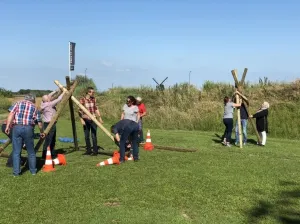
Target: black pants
point(130, 131)
point(49, 140)
point(90, 127)
point(228, 122)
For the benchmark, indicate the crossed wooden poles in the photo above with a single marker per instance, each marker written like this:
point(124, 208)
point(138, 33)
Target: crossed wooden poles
point(238, 95)
point(66, 98)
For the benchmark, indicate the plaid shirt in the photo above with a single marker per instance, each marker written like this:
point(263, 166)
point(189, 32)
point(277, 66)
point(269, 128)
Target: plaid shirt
point(25, 113)
point(89, 104)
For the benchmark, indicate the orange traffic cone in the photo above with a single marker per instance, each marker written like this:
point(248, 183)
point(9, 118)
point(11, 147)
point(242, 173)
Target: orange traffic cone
point(60, 160)
point(48, 167)
point(112, 160)
point(148, 145)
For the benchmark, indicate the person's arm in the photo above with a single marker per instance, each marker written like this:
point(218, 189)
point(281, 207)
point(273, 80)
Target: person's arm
point(9, 122)
point(236, 104)
point(123, 113)
point(98, 112)
point(56, 101)
point(138, 116)
point(260, 114)
point(38, 119)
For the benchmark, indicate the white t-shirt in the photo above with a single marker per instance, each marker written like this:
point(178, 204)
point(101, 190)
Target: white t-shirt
point(130, 113)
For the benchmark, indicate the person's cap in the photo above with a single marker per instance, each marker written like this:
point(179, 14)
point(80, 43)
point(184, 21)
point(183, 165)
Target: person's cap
point(30, 97)
point(139, 99)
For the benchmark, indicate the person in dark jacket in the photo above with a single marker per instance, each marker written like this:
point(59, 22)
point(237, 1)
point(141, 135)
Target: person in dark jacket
point(262, 122)
point(244, 122)
point(123, 130)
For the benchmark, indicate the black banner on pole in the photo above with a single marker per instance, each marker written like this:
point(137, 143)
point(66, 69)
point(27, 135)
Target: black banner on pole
point(72, 55)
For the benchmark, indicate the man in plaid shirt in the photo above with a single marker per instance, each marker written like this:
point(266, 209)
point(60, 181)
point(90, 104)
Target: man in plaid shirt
point(89, 102)
point(24, 115)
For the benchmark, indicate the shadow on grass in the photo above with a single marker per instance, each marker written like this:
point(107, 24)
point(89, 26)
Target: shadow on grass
point(284, 209)
point(220, 139)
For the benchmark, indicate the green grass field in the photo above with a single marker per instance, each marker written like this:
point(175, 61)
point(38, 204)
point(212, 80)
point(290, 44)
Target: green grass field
point(216, 184)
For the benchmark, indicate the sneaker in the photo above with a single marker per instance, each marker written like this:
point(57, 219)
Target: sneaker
point(245, 143)
point(228, 144)
point(94, 154)
point(224, 143)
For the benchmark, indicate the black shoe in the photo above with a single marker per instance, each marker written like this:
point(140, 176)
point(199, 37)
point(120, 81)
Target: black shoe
point(94, 154)
point(87, 153)
point(136, 160)
point(122, 161)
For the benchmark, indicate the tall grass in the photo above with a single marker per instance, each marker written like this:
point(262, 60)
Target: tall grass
point(187, 107)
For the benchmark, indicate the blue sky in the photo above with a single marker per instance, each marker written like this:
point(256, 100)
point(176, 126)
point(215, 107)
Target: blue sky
point(129, 42)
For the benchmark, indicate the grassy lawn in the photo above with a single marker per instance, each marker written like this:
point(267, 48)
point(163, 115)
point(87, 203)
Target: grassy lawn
point(216, 184)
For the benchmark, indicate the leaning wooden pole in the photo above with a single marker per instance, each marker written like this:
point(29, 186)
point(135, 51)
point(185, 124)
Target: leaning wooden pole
point(62, 104)
point(234, 74)
point(72, 115)
point(86, 112)
point(5, 145)
point(253, 124)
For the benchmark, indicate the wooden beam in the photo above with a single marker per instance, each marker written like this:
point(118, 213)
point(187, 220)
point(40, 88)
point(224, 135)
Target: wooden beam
point(253, 124)
point(243, 97)
point(62, 104)
point(234, 75)
point(87, 112)
point(244, 77)
point(72, 115)
point(5, 145)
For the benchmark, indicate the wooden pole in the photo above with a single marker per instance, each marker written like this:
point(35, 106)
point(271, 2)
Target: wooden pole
point(62, 104)
point(253, 124)
point(243, 77)
point(5, 145)
point(72, 115)
point(234, 74)
point(87, 112)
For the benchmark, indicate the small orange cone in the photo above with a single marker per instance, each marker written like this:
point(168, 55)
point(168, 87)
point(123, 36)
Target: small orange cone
point(48, 167)
point(112, 160)
point(148, 145)
point(60, 160)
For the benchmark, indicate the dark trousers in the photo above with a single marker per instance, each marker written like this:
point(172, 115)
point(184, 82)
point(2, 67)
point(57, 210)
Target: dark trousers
point(90, 127)
point(49, 140)
point(228, 122)
point(141, 134)
point(130, 131)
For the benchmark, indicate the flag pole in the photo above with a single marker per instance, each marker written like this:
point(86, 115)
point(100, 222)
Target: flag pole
point(70, 73)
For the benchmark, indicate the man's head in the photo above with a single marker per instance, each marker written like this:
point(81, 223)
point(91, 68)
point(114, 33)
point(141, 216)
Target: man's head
point(30, 97)
point(90, 91)
point(138, 100)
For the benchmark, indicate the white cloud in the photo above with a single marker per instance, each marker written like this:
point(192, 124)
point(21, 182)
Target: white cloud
point(106, 63)
point(123, 70)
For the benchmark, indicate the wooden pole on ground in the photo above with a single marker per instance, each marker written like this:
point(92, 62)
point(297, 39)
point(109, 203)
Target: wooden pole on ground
point(87, 112)
point(5, 145)
point(72, 115)
point(62, 104)
point(234, 74)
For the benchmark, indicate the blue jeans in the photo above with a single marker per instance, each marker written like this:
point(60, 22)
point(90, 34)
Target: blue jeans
point(131, 131)
point(22, 133)
point(244, 130)
point(141, 134)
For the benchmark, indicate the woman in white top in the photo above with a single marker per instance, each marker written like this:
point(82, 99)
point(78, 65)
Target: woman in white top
point(130, 110)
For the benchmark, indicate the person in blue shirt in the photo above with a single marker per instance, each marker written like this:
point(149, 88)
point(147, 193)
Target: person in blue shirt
point(123, 130)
